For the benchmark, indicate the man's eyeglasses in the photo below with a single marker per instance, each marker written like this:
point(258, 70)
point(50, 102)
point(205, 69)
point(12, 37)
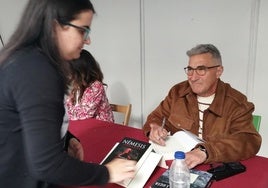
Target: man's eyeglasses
point(200, 70)
point(85, 31)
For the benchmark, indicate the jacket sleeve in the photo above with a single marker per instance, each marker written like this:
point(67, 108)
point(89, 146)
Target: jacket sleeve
point(234, 138)
point(162, 110)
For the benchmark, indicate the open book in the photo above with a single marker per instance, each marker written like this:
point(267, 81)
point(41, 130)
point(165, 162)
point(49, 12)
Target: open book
point(180, 141)
point(139, 151)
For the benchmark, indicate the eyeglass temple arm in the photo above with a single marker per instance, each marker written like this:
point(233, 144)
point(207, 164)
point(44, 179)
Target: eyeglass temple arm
point(2, 40)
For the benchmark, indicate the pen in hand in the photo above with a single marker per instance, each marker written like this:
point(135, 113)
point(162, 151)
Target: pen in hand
point(163, 123)
point(162, 128)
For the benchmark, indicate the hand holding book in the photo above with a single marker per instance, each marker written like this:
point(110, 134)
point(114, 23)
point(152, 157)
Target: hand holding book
point(134, 150)
point(121, 169)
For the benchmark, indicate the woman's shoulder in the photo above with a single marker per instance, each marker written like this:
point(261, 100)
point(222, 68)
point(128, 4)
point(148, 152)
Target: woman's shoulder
point(27, 58)
point(27, 62)
point(95, 87)
point(97, 84)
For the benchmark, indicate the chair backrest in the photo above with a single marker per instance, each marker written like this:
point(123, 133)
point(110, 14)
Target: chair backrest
point(257, 122)
point(124, 109)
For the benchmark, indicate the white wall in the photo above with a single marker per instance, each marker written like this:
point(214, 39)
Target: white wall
point(260, 89)
point(116, 45)
point(10, 13)
point(174, 27)
point(141, 47)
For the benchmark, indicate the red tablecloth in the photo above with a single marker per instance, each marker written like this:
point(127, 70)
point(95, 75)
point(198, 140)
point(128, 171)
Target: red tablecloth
point(98, 137)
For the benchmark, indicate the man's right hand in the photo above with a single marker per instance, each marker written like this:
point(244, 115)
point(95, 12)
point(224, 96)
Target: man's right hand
point(158, 134)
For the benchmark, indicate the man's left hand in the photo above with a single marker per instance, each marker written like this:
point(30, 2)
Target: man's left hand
point(195, 157)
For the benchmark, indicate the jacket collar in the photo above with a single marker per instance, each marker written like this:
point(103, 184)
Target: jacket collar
point(216, 106)
point(218, 103)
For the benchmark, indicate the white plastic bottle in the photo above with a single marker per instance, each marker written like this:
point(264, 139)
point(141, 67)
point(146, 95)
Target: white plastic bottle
point(179, 174)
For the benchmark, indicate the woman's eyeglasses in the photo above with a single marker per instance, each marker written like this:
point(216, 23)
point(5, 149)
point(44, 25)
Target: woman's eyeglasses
point(85, 31)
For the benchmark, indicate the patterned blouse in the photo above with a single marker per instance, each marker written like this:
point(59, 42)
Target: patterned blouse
point(93, 104)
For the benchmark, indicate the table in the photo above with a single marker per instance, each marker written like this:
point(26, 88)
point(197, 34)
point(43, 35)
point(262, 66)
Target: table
point(98, 137)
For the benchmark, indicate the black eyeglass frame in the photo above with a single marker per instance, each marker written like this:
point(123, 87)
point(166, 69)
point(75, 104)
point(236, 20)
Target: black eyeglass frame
point(86, 30)
point(2, 40)
point(197, 69)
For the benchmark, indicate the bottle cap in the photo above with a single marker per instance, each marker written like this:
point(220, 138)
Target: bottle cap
point(179, 155)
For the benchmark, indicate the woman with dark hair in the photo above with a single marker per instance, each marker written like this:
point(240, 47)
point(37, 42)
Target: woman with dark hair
point(87, 98)
point(34, 77)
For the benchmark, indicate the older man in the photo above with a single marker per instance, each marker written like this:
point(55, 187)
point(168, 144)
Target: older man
point(209, 108)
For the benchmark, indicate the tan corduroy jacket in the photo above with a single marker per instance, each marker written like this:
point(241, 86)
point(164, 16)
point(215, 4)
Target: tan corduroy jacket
point(228, 130)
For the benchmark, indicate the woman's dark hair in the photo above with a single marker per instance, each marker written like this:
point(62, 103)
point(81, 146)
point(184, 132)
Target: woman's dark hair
point(84, 71)
point(36, 27)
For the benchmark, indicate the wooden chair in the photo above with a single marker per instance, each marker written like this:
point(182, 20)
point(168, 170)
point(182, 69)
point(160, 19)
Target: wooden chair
point(123, 109)
point(257, 122)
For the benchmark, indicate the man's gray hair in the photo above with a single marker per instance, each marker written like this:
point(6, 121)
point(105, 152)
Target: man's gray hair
point(205, 48)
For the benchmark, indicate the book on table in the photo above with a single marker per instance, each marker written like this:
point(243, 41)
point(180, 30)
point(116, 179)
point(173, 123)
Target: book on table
point(140, 151)
point(198, 179)
point(180, 141)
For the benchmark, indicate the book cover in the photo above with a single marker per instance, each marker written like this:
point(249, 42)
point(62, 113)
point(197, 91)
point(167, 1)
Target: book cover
point(199, 179)
point(128, 148)
point(162, 181)
point(140, 151)
point(203, 179)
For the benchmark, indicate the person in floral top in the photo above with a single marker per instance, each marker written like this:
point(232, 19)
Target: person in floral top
point(87, 97)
